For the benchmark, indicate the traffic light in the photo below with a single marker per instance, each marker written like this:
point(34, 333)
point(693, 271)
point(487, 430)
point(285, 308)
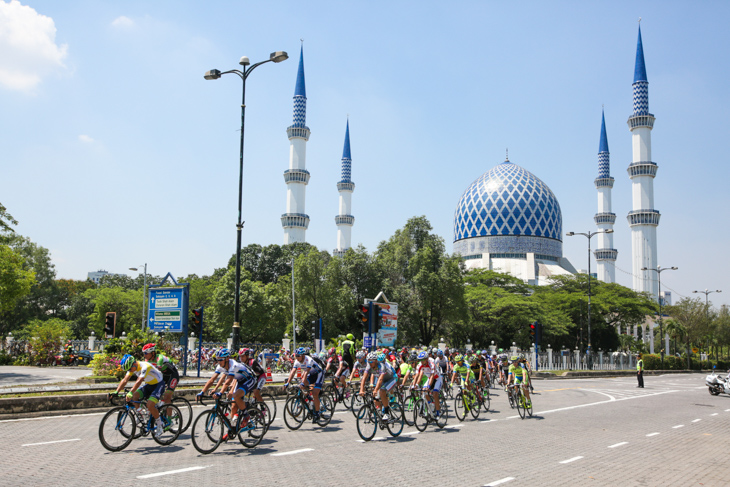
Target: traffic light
point(110, 322)
point(363, 313)
point(533, 330)
point(377, 317)
point(538, 332)
point(196, 324)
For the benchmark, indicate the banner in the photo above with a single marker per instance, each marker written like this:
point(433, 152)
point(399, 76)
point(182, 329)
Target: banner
point(388, 332)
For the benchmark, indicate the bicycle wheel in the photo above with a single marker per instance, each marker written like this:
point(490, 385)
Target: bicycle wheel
point(443, 415)
point(269, 407)
point(326, 408)
point(420, 415)
point(395, 423)
point(460, 406)
point(207, 432)
point(474, 407)
point(294, 413)
point(520, 404)
point(511, 398)
point(116, 430)
point(409, 404)
point(357, 403)
point(187, 411)
point(173, 425)
point(528, 406)
point(367, 422)
point(348, 396)
point(486, 399)
point(254, 431)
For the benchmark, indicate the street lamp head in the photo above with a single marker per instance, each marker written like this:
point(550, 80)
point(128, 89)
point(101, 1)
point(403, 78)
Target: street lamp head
point(570, 234)
point(695, 291)
point(212, 74)
point(132, 268)
point(674, 268)
point(244, 61)
point(644, 268)
point(278, 56)
point(610, 230)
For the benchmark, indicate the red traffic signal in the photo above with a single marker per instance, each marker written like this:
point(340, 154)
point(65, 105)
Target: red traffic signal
point(533, 328)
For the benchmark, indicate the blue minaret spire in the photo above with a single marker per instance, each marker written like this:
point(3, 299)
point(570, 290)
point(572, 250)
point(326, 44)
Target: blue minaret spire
point(300, 95)
point(346, 159)
point(641, 83)
point(604, 169)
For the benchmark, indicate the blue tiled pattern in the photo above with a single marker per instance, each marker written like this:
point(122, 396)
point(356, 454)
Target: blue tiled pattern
point(509, 245)
point(604, 166)
point(346, 169)
point(300, 111)
point(508, 200)
point(641, 98)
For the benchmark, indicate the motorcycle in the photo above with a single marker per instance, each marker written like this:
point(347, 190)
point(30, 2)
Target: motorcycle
point(717, 384)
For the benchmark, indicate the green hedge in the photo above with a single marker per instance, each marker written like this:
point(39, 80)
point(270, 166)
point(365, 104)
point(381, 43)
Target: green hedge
point(671, 362)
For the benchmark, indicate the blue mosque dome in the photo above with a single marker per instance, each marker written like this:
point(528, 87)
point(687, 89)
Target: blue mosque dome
point(508, 211)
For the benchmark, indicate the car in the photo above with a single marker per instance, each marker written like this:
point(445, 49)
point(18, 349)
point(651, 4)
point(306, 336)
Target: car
point(85, 356)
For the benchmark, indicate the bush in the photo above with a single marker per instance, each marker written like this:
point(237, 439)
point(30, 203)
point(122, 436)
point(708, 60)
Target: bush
point(46, 340)
point(107, 365)
point(652, 361)
point(5, 358)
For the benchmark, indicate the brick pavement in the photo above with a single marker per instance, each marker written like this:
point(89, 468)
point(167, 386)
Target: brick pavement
point(478, 452)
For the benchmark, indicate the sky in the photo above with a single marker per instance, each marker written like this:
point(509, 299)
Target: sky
point(115, 151)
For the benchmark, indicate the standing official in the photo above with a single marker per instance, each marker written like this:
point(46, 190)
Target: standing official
point(640, 370)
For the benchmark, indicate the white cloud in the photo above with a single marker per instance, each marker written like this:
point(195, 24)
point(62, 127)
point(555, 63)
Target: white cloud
point(123, 22)
point(85, 139)
point(28, 49)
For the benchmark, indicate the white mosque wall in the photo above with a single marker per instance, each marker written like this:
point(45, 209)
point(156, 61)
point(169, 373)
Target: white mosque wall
point(294, 235)
point(642, 192)
point(641, 144)
point(345, 203)
point(297, 153)
point(344, 233)
point(295, 197)
point(604, 199)
point(643, 249)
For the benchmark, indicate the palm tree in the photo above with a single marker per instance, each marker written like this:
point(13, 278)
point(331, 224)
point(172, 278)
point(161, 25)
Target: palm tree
point(675, 331)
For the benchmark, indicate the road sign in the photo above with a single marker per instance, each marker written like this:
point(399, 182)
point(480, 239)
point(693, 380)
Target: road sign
point(695, 350)
point(366, 342)
point(167, 309)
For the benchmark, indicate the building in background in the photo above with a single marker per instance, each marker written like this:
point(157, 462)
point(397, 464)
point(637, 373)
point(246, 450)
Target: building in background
point(605, 253)
point(96, 276)
point(344, 220)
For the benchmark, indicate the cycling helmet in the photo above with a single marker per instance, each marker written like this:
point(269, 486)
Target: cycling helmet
point(422, 355)
point(440, 353)
point(127, 362)
point(223, 353)
point(459, 358)
point(149, 348)
point(372, 357)
point(381, 357)
point(413, 357)
point(350, 336)
point(322, 355)
point(514, 358)
point(434, 350)
point(360, 355)
point(300, 351)
point(332, 351)
point(307, 350)
point(244, 351)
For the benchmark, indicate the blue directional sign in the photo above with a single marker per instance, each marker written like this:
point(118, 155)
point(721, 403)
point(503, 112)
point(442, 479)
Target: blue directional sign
point(168, 309)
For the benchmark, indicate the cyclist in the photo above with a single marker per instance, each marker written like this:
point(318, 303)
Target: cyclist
point(518, 375)
point(380, 368)
point(241, 379)
point(313, 375)
point(245, 356)
point(503, 369)
point(170, 374)
point(360, 365)
point(347, 358)
point(427, 368)
point(526, 365)
point(441, 362)
point(463, 370)
point(219, 373)
point(476, 367)
point(154, 386)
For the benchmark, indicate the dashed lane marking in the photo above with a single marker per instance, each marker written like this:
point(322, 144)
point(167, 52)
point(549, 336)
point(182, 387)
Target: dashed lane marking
point(696, 420)
point(170, 472)
point(714, 414)
point(569, 460)
point(293, 452)
point(498, 482)
point(51, 442)
point(678, 426)
point(619, 444)
point(652, 434)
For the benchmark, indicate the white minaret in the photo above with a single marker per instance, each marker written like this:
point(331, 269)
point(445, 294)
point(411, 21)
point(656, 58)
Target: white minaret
point(605, 254)
point(345, 220)
point(643, 219)
point(295, 221)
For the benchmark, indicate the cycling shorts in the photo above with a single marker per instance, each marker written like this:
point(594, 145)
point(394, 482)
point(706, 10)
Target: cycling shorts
point(260, 382)
point(437, 384)
point(246, 385)
point(153, 392)
point(171, 378)
point(520, 379)
point(316, 378)
point(345, 373)
point(390, 384)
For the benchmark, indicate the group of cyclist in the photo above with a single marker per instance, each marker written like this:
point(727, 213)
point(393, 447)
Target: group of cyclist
point(429, 369)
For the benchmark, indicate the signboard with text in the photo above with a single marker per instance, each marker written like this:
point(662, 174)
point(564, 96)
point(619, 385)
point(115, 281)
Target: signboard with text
point(388, 331)
point(168, 309)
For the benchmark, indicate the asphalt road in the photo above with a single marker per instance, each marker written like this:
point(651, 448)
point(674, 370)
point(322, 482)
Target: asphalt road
point(11, 375)
point(583, 432)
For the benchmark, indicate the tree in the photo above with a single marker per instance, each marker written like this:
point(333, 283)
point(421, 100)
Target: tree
point(127, 304)
point(691, 314)
point(6, 220)
point(15, 282)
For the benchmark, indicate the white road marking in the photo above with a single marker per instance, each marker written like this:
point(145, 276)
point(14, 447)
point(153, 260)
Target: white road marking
point(513, 417)
point(619, 444)
point(652, 434)
point(342, 412)
point(602, 402)
point(51, 417)
point(727, 410)
point(51, 442)
point(714, 414)
point(571, 460)
point(497, 482)
point(678, 426)
point(488, 420)
point(696, 420)
point(170, 472)
point(410, 433)
point(293, 452)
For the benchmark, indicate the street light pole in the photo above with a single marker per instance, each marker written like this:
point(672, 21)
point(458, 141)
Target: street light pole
point(707, 302)
point(243, 73)
point(659, 271)
point(144, 295)
point(589, 236)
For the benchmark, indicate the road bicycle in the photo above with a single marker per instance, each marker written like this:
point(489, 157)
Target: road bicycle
point(424, 412)
point(122, 424)
point(180, 402)
point(340, 394)
point(467, 402)
point(370, 417)
point(268, 406)
point(210, 425)
point(520, 401)
point(300, 407)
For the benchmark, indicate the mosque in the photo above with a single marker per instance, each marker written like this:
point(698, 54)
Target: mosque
point(508, 219)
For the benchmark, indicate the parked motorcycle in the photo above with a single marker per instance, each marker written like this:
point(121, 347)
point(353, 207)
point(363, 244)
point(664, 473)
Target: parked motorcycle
point(717, 384)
